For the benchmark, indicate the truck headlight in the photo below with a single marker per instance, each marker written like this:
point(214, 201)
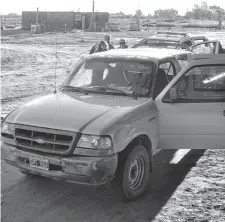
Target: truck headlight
point(7, 130)
point(95, 142)
point(90, 145)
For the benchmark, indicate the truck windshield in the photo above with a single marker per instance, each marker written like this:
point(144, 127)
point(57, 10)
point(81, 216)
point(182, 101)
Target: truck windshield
point(113, 76)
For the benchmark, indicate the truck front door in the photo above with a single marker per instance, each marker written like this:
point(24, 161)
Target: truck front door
point(191, 109)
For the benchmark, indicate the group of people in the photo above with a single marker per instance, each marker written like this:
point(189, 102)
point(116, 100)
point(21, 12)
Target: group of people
point(106, 45)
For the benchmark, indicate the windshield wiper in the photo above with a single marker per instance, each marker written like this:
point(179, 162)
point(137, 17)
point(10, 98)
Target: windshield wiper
point(105, 88)
point(74, 88)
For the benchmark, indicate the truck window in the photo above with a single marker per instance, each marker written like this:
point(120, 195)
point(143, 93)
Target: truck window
point(198, 41)
point(169, 69)
point(182, 59)
point(83, 77)
point(202, 83)
point(188, 43)
point(132, 77)
point(204, 48)
point(165, 74)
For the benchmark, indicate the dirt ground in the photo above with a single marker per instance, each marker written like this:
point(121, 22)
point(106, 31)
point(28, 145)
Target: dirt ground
point(191, 190)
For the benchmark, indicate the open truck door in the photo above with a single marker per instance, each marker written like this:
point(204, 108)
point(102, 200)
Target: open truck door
point(207, 47)
point(191, 109)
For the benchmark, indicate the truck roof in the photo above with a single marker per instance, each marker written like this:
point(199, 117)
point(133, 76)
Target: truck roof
point(217, 57)
point(184, 34)
point(168, 37)
point(153, 53)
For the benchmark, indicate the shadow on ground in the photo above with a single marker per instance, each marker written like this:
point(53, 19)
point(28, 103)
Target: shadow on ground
point(40, 199)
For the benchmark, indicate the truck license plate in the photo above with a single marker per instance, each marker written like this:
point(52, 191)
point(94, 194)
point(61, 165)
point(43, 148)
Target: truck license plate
point(39, 162)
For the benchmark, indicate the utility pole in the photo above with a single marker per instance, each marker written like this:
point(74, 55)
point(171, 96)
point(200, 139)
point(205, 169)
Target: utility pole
point(220, 19)
point(92, 25)
point(93, 15)
point(37, 19)
point(138, 19)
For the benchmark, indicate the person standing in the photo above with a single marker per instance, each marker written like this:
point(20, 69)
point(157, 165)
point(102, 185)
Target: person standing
point(107, 38)
point(102, 46)
point(99, 47)
point(123, 44)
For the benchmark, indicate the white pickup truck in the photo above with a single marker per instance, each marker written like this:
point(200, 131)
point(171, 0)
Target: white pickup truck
point(114, 112)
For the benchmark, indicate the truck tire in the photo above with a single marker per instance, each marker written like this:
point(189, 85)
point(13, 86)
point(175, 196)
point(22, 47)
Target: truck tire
point(132, 177)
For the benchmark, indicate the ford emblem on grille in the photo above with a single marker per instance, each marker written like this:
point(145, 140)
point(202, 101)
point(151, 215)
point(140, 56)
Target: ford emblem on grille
point(40, 141)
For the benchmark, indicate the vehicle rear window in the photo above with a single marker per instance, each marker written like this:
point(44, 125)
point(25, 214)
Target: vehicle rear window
point(208, 48)
point(198, 41)
point(188, 43)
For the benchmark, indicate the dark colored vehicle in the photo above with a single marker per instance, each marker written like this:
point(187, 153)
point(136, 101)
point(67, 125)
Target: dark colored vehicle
point(180, 40)
point(172, 37)
point(167, 45)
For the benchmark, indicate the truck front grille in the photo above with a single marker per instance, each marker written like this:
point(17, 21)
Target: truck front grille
point(44, 140)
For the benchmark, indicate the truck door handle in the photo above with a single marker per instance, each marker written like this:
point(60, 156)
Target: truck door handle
point(224, 112)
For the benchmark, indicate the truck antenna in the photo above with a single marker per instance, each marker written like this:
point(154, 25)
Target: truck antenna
point(55, 91)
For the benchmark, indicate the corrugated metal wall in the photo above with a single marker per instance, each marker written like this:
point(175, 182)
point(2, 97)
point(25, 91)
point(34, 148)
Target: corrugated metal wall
point(57, 20)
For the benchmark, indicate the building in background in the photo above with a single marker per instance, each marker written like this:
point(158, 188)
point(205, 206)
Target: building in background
point(12, 20)
point(55, 21)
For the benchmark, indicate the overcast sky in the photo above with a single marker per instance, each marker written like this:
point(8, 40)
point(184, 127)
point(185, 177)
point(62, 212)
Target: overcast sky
point(126, 6)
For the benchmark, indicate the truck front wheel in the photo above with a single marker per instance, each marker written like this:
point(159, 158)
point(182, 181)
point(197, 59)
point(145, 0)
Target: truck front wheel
point(133, 174)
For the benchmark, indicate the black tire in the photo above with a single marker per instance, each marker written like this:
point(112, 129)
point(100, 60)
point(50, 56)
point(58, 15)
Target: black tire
point(132, 177)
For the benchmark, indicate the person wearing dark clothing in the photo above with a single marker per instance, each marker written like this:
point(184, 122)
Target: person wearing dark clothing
point(107, 38)
point(99, 47)
point(102, 46)
point(94, 48)
point(123, 44)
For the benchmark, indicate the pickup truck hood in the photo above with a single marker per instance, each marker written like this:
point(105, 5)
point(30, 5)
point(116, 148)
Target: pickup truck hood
point(71, 111)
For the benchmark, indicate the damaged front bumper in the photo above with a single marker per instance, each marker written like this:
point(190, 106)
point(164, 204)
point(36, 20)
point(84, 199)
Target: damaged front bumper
point(77, 169)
